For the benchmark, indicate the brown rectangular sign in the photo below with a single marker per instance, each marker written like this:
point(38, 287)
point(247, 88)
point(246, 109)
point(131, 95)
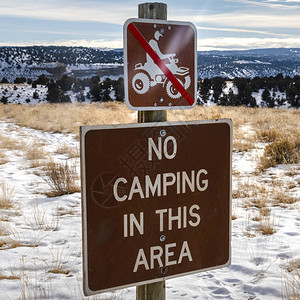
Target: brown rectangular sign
point(156, 201)
point(160, 64)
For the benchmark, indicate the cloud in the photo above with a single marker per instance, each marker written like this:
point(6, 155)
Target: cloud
point(270, 4)
point(221, 43)
point(106, 12)
point(227, 43)
point(102, 43)
point(242, 30)
point(261, 21)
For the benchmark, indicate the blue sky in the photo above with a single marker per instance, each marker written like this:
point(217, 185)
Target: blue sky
point(221, 24)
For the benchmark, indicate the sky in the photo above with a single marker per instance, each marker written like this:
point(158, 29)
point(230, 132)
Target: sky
point(221, 24)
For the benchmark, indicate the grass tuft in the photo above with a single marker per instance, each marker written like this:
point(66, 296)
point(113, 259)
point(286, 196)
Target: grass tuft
point(269, 135)
point(68, 150)
point(280, 152)
point(10, 243)
point(41, 220)
point(292, 280)
point(283, 199)
point(36, 155)
point(59, 261)
point(7, 194)
point(10, 277)
point(62, 178)
point(266, 226)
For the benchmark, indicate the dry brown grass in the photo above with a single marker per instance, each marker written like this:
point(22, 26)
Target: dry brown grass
point(62, 178)
point(259, 203)
point(35, 152)
point(249, 190)
point(68, 150)
point(293, 171)
point(292, 280)
point(266, 225)
point(9, 143)
point(280, 152)
point(59, 261)
point(265, 211)
point(3, 158)
point(66, 117)
point(249, 124)
point(11, 243)
point(283, 199)
point(7, 194)
point(268, 135)
point(40, 219)
point(8, 277)
point(36, 155)
point(61, 211)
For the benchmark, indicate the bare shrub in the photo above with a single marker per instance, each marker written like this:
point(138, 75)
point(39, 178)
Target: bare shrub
point(59, 261)
point(292, 280)
point(259, 203)
point(30, 289)
point(62, 178)
point(269, 135)
point(67, 150)
point(292, 172)
point(8, 143)
point(41, 220)
point(264, 211)
point(3, 158)
point(7, 194)
point(36, 155)
point(8, 277)
point(266, 226)
point(280, 152)
point(11, 243)
point(283, 199)
point(35, 152)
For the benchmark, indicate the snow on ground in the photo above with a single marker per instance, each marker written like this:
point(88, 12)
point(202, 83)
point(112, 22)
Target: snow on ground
point(49, 228)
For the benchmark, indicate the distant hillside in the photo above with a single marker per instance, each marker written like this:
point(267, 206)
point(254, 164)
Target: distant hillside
point(249, 63)
point(31, 62)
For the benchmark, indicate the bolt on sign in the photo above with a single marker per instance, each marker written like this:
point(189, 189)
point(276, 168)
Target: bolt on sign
point(156, 201)
point(160, 64)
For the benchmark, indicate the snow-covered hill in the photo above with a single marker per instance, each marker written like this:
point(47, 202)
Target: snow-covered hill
point(249, 63)
point(30, 62)
point(53, 61)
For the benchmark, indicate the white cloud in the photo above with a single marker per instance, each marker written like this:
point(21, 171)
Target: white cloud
point(261, 21)
point(227, 43)
point(242, 30)
point(67, 10)
point(269, 4)
point(116, 43)
point(221, 43)
point(256, 18)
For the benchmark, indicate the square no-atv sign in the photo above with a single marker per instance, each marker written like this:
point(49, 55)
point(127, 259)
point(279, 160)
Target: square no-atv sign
point(160, 64)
